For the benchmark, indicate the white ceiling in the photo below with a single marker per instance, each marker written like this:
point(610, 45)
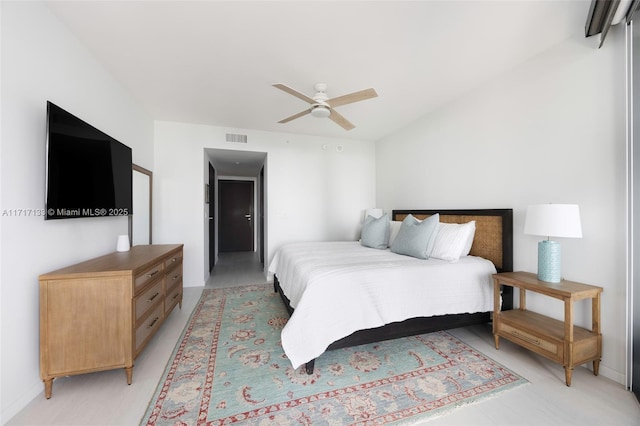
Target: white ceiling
point(213, 62)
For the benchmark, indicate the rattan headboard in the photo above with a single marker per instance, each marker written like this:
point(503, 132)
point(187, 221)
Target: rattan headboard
point(494, 231)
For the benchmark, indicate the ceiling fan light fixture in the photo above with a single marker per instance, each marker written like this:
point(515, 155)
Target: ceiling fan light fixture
point(320, 111)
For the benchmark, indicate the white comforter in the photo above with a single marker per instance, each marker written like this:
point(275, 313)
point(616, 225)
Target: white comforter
point(337, 288)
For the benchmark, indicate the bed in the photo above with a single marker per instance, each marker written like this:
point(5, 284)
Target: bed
point(321, 283)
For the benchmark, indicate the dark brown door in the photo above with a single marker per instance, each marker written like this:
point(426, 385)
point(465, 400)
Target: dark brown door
point(235, 213)
point(212, 212)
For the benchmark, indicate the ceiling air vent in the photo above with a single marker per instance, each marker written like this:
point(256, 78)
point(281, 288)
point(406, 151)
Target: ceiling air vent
point(236, 138)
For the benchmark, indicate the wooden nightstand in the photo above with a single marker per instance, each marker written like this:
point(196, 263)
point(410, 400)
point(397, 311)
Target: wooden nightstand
point(559, 341)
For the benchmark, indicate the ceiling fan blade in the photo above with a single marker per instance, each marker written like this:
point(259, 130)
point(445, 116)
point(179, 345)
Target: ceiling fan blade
point(340, 120)
point(352, 97)
point(293, 117)
point(295, 93)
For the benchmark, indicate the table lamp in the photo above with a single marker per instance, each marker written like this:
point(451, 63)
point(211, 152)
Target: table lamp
point(552, 220)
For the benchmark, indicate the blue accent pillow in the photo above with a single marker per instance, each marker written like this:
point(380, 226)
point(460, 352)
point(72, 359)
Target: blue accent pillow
point(416, 238)
point(375, 232)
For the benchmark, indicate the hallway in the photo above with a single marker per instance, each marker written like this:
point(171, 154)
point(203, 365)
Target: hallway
point(235, 269)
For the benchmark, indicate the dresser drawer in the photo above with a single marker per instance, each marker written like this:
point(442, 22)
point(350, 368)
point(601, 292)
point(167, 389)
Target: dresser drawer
point(537, 343)
point(174, 296)
point(148, 327)
point(173, 278)
point(174, 260)
point(147, 300)
point(152, 273)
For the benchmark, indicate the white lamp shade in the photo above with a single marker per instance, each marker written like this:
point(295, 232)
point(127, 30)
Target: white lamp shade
point(553, 220)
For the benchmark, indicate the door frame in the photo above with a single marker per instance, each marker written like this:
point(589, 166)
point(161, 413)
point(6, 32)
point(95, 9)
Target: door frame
point(213, 221)
point(633, 213)
point(260, 214)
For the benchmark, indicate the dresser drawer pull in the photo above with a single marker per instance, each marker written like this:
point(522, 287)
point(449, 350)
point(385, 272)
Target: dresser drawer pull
point(153, 322)
point(149, 300)
point(175, 259)
point(153, 273)
point(175, 296)
point(527, 338)
point(175, 277)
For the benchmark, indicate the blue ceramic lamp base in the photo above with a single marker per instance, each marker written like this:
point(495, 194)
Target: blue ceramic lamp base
point(549, 261)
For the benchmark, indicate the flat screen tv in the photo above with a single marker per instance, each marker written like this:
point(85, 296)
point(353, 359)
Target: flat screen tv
point(88, 173)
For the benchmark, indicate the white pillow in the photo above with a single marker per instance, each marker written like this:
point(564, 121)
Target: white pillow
point(393, 231)
point(470, 236)
point(453, 240)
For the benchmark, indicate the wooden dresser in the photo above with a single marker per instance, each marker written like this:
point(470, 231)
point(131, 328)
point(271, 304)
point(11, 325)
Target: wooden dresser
point(99, 314)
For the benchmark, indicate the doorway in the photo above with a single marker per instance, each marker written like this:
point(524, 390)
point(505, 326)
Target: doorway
point(234, 165)
point(236, 215)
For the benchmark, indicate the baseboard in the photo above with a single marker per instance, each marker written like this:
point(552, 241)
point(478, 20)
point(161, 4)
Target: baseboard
point(611, 374)
point(19, 404)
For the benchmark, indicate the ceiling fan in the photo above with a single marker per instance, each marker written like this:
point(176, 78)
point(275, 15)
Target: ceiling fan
point(323, 107)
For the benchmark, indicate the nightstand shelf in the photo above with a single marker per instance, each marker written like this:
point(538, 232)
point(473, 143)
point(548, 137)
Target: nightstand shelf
point(557, 340)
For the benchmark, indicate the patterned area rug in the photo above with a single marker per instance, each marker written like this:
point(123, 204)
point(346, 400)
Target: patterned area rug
point(229, 367)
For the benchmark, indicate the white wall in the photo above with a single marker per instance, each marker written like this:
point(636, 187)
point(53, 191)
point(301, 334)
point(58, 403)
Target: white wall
point(315, 188)
point(551, 130)
point(42, 61)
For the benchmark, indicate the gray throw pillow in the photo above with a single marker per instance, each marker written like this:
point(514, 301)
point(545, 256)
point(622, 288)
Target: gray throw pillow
point(375, 232)
point(416, 238)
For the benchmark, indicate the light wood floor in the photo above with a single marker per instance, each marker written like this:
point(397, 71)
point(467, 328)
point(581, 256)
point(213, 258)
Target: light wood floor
point(105, 399)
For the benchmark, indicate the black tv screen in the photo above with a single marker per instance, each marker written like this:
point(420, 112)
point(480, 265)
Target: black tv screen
point(89, 173)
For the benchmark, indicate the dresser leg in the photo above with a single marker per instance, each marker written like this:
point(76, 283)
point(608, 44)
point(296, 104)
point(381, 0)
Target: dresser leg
point(496, 339)
point(567, 375)
point(48, 388)
point(596, 367)
point(129, 372)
